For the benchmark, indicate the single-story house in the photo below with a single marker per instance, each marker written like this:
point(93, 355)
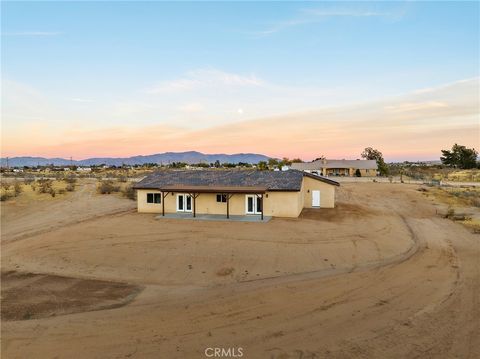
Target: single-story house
point(234, 192)
point(349, 168)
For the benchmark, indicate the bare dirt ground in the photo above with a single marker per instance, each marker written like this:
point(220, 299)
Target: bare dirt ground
point(380, 276)
point(27, 295)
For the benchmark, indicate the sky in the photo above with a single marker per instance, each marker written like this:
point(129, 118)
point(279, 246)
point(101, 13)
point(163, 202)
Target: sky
point(286, 79)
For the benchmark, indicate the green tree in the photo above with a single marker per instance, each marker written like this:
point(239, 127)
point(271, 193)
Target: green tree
point(460, 157)
point(370, 153)
point(272, 162)
point(262, 165)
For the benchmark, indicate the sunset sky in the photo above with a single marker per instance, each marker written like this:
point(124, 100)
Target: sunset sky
point(91, 79)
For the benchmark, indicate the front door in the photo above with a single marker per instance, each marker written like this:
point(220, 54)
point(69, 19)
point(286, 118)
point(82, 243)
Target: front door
point(184, 202)
point(315, 198)
point(253, 204)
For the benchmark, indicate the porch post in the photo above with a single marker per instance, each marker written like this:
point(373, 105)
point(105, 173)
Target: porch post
point(163, 204)
point(228, 205)
point(228, 195)
point(261, 199)
point(194, 206)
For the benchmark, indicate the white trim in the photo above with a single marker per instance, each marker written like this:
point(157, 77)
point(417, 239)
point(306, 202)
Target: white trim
point(316, 198)
point(184, 202)
point(255, 199)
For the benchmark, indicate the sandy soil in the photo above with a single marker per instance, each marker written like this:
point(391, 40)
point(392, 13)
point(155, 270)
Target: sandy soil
point(27, 295)
point(381, 276)
point(22, 217)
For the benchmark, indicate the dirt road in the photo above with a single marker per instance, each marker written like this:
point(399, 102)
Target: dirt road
point(381, 276)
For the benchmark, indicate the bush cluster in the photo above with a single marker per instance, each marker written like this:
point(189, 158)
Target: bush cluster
point(107, 187)
point(130, 192)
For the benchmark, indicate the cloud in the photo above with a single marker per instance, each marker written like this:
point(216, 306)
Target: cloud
point(413, 126)
point(192, 107)
point(205, 78)
point(415, 106)
point(77, 99)
point(32, 33)
point(316, 15)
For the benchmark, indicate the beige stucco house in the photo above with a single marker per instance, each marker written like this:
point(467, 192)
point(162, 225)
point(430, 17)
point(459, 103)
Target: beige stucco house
point(351, 168)
point(234, 192)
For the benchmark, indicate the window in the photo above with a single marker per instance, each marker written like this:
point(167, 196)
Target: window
point(154, 198)
point(222, 198)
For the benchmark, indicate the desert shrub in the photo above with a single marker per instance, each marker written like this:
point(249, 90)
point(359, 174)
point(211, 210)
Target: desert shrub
point(107, 187)
point(71, 179)
point(17, 188)
point(6, 186)
point(5, 196)
point(29, 180)
point(130, 192)
point(476, 202)
point(61, 191)
point(450, 213)
point(52, 192)
point(122, 178)
point(34, 186)
point(70, 187)
point(45, 185)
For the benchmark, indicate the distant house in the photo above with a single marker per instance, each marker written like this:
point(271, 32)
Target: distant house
point(84, 169)
point(234, 192)
point(351, 168)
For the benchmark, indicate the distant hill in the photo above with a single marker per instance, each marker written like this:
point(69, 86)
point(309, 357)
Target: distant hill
point(159, 158)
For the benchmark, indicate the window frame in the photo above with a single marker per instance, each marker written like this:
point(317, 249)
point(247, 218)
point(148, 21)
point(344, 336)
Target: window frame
point(222, 197)
point(156, 198)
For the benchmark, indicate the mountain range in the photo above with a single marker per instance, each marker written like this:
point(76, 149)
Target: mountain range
point(159, 158)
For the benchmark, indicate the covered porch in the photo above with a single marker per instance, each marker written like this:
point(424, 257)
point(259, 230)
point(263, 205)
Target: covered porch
point(254, 208)
point(215, 217)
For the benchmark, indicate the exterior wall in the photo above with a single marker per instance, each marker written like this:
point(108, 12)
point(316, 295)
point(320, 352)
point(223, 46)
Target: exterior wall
point(364, 172)
point(276, 203)
point(279, 204)
point(283, 204)
point(327, 193)
point(343, 172)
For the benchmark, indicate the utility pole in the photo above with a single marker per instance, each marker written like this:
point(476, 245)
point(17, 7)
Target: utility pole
point(7, 163)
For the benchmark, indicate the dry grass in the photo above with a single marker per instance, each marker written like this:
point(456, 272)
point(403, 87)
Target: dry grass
point(455, 197)
point(29, 193)
point(473, 224)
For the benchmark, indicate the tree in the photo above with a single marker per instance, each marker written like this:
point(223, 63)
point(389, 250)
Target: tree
point(262, 165)
point(460, 157)
point(272, 162)
point(370, 153)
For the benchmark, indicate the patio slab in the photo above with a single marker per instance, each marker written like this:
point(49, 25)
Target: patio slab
point(215, 217)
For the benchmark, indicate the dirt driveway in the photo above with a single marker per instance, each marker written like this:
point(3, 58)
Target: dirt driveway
point(381, 276)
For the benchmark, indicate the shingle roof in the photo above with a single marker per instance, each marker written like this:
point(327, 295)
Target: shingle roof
point(271, 180)
point(360, 164)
